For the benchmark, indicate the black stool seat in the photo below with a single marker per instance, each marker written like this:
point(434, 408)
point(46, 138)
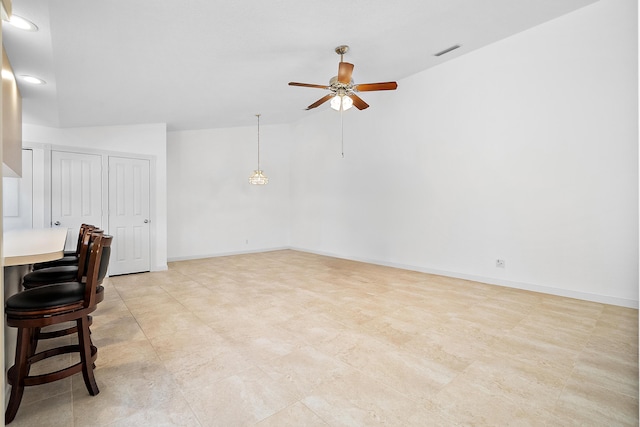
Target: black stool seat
point(50, 297)
point(68, 259)
point(62, 273)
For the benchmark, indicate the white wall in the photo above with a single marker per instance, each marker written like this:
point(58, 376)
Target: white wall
point(525, 150)
point(213, 210)
point(146, 140)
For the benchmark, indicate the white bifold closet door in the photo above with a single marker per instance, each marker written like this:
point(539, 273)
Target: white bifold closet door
point(76, 192)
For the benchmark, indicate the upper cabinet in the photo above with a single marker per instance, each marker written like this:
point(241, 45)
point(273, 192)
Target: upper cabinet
point(6, 9)
point(11, 112)
point(11, 121)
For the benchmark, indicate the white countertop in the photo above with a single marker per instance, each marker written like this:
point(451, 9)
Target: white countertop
point(33, 245)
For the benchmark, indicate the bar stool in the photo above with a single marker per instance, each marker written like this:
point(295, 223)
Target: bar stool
point(70, 257)
point(33, 309)
point(62, 273)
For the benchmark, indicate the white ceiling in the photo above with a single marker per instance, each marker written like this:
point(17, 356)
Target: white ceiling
point(197, 64)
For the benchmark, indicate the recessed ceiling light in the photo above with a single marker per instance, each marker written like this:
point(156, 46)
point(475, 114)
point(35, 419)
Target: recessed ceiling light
point(23, 24)
point(32, 80)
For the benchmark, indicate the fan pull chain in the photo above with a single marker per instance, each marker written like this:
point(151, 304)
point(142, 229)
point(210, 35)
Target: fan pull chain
point(342, 130)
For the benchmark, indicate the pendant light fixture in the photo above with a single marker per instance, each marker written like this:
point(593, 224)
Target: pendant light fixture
point(258, 178)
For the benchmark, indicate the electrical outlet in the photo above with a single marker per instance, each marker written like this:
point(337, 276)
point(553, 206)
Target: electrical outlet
point(500, 263)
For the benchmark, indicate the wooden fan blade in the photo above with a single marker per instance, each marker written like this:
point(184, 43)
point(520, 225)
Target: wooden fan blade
point(358, 102)
point(376, 86)
point(308, 85)
point(320, 101)
point(344, 72)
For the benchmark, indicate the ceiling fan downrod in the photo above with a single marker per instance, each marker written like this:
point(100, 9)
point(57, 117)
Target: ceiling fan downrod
point(341, 50)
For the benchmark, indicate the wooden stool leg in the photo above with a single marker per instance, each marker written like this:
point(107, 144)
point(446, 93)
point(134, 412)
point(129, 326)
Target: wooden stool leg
point(33, 341)
point(84, 341)
point(19, 371)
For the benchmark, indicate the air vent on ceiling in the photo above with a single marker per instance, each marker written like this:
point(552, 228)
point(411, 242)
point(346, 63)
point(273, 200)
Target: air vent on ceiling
point(447, 50)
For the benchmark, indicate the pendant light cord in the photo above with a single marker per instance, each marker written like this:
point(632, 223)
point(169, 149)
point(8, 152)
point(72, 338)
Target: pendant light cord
point(258, 116)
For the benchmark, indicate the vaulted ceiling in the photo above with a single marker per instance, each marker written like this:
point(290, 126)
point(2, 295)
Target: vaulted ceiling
point(198, 64)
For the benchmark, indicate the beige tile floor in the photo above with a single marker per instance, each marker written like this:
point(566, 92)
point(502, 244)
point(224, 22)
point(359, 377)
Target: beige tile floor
point(288, 338)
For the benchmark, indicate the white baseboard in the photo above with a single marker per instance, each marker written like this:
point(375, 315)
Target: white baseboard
point(254, 251)
point(161, 267)
point(603, 299)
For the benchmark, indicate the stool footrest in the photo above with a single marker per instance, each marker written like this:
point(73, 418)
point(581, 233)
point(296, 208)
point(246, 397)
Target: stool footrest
point(56, 375)
point(62, 332)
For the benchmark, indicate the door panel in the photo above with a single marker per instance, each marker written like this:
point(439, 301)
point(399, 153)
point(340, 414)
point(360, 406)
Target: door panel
point(76, 192)
point(129, 215)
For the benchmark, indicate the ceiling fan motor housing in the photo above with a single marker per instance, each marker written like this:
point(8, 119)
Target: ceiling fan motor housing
point(340, 88)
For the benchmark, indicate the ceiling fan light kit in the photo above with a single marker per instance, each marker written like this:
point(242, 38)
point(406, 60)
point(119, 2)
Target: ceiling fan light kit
point(343, 89)
point(341, 102)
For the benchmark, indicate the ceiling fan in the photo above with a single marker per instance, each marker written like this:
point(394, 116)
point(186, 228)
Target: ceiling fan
point(343, 89)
